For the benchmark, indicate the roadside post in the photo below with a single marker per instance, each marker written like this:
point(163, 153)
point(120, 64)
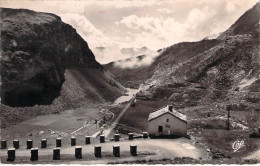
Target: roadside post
point(29, 144)
point(117, 136)
point(130, 136)
point(73, 141)
point(34, 154)
point(16, 144)
point(97, 151)
point(56, 154)
point(102, 139)
point(11, 154)
point(78, 152)
point(58, 142)
point(116, 150)
point(133, 150)
point(3, 144)
point(43, 143)
point(87, 139)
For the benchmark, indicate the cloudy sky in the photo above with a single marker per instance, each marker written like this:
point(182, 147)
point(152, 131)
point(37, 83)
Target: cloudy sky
point(117, 24)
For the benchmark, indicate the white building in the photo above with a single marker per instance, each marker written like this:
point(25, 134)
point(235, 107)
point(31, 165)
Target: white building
point(167, 121)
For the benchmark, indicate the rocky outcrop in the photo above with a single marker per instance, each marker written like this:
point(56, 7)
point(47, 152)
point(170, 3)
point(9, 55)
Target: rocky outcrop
point(36, 50)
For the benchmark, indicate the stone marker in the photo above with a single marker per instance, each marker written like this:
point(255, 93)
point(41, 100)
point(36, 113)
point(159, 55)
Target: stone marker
point(87, 139)
point(56, 154)
point(130, 136)
point(133, 150)
point(73, 141)
point(78, 152)
point(43, 143)
point(3, 144)
point(58, 142)
point(11, 154)
point(97, 151)
point(29, 144)
point(116, 150)
point(34, 154)
point(102, 139)
point(145, 135)
point(117, 136)
point(16, 144)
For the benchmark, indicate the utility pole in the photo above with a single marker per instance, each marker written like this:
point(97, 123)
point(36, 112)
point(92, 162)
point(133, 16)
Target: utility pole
point(228, 116)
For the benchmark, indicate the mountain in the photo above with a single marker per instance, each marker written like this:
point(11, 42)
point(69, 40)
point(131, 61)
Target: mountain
point(44, 61)
point(223, 70)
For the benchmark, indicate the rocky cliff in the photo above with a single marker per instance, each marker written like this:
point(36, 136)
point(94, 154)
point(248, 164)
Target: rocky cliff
point(36, 50)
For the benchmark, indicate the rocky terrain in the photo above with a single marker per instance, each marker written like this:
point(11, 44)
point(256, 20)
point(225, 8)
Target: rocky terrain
point(225, 69)
point(46, 64)
point(201, 79)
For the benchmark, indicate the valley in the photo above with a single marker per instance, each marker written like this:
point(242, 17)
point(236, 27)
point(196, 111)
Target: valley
point(53, 87)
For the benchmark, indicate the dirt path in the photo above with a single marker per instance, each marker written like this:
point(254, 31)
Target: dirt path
point(113, 125)
point(158, 149)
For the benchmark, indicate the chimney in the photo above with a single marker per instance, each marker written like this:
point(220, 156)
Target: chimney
point(170, 108)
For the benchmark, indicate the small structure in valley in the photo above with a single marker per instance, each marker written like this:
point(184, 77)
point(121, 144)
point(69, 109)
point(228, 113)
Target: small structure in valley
point(167, 122)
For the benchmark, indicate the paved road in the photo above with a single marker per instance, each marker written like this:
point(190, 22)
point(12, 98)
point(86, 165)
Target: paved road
point(161, 149)
point(113, 125)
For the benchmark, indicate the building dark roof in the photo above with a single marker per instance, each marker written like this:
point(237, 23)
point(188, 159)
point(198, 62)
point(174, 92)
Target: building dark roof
point(165, 110)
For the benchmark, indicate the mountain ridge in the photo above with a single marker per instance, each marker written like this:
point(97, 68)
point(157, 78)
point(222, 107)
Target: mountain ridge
point(227, 67)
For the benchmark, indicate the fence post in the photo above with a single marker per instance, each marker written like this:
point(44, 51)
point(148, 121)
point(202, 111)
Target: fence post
point(116, 150)
point(97, 151)
point(29, 144)
point(34, 154)
point(3, 144)
point(117, 136)
point(73, 141)
point(87, 139)
point(145, 135)
point(16, 144)
point(133, 150)
point(56, 154)
point(130, 136)
point(78, 152)
point(43, 143)
point(102, 139)
point(11, 154)
point(58, 142)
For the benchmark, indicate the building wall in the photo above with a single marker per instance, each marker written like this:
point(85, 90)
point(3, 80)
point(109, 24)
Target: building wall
point(175, 126)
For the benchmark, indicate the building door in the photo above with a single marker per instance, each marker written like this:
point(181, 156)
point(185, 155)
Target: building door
point(160, 129)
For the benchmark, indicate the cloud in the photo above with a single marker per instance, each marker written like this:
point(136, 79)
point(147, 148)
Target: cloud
point(136, 62)
point(165, 11)
point(161, 31)
point(86, 29)
point(230, 7)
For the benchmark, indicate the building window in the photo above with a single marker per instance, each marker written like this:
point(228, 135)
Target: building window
point(160, 129)
point(167, 120)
